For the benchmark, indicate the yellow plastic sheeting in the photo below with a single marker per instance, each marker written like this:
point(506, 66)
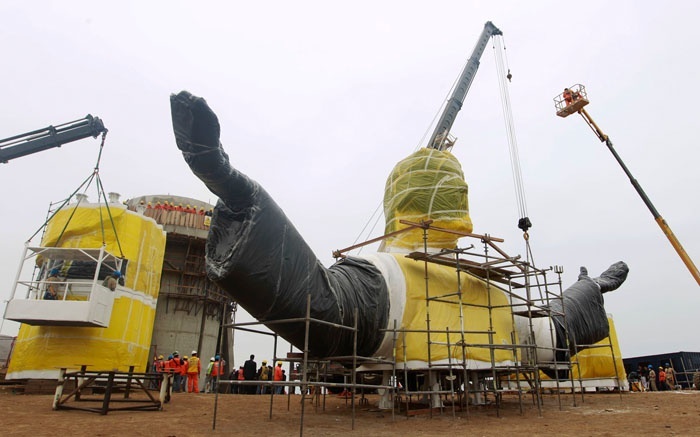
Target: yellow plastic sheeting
point(597, 362)
point(428, 185)
point(444, 315)
point(142, 241)
point(40, 350)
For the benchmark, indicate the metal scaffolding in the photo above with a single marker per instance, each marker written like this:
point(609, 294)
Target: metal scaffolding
point(456, 384)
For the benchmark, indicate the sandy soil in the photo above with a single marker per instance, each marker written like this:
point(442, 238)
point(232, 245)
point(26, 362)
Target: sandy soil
point(596, 414)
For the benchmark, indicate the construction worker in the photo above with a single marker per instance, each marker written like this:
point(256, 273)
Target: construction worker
point(194, 368)
point(278, 375)
point(184, 365)
point(662, 379)
point(52, 288)
point(112, 280)
point(652, 378)
point(240, 376)
point(207, 382)
point(216, 371)
point(670, 379)
point(568, 97)
point(174, 365)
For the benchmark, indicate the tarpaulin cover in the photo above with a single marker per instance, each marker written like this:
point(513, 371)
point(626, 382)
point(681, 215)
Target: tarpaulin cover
point(581, 313)
point(427, 185)
point(256, 255)
point(41, 350)
point(445, 313)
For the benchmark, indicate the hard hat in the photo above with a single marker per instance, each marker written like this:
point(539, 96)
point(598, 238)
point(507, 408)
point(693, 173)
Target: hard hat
point(53, 272)
point(176, 354)
point(194, 352)
point(211, 359)
point(117, 274)
point(170, 357)
point(185, 357)
point(217, 356)
point(661, 368)
point(160, 357)
point(264, 361)
point(279, 363)
point(650, 366)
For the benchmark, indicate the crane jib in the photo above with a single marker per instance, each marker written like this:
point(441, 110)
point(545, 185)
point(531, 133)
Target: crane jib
point(456, 100)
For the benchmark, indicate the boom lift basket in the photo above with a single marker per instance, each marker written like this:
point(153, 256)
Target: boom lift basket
point(574, 102)
point(81, 300)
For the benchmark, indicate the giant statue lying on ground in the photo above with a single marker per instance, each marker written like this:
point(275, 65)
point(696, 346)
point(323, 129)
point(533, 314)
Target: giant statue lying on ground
point(256, 255)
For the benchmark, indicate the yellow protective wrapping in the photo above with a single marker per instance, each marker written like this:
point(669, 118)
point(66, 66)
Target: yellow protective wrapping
point(597, 362)
point(444, 314)
point(40, 350)
point(427, 185)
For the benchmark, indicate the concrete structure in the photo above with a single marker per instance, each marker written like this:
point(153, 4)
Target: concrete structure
point(190, 306)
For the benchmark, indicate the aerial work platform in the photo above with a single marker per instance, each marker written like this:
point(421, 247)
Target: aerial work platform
point(572, 100)
point(81, 299)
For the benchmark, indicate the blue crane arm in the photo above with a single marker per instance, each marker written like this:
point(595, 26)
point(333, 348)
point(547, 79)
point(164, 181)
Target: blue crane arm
point(50, 137)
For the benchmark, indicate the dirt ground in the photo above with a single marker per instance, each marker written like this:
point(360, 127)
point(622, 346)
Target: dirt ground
point(596, 414)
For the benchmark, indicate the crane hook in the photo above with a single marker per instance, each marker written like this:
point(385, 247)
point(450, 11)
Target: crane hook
point(509, 76)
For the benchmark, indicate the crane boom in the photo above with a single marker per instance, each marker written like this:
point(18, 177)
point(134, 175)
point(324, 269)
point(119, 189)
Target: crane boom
point(50, 137)
point(439, 138)
point(665, 228)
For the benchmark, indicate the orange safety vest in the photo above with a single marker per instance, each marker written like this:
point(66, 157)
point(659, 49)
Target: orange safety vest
point(173, 365)
point(216, 368)
point(278, 373)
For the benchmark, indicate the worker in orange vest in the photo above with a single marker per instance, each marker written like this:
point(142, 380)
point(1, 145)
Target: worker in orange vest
point(216, 371)
point(184, 365)
point(193, 370)
point(278, 376)
point(568, 98)
point(174, 366)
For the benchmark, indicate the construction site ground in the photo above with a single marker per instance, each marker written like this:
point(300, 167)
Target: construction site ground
point(597, 414)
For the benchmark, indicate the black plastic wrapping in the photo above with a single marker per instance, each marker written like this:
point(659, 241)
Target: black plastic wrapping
point(256, 255)
point(583, 310)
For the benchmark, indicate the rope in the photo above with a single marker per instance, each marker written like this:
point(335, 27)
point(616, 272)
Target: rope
point(100, 191)
point(503, 73)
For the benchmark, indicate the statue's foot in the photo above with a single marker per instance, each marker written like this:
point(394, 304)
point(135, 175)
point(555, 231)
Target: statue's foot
point(195, 125)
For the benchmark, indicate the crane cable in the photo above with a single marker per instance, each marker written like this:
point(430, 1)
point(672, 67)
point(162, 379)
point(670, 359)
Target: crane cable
point(504, 74)
point(95, 175)
point(378, 212)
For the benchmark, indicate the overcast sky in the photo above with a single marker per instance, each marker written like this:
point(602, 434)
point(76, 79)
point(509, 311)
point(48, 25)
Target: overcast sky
point(319, 100)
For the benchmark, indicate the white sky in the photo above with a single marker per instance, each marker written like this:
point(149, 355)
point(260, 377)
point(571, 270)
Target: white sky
point(318, 101)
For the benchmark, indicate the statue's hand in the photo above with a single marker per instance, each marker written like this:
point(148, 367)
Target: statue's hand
point(195, 125)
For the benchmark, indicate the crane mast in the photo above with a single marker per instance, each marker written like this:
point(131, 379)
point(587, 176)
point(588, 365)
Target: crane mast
point(439, 139)
point(50, 137)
